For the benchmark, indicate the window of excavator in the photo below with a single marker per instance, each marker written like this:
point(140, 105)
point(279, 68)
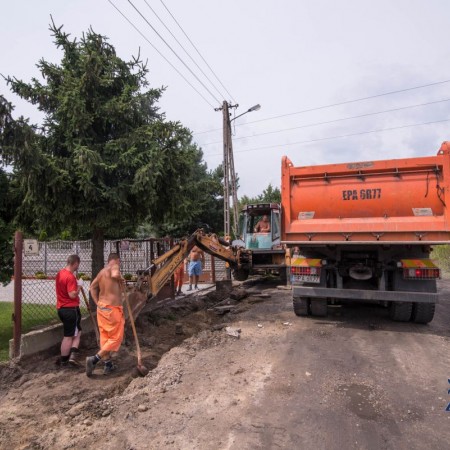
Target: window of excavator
point(275, 224)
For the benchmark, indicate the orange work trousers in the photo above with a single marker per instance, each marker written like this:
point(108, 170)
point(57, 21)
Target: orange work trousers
point(179, 277)
point(111, 324)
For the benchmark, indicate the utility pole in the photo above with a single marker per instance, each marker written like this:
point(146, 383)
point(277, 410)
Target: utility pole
point(229, 176)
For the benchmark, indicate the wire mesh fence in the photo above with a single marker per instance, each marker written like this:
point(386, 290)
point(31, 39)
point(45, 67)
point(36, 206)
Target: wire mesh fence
point(39, 271)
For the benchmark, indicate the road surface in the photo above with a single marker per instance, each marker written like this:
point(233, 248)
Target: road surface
point(353, 380)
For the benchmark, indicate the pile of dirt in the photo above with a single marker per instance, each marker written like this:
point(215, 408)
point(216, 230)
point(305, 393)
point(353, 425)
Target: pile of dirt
point(37, 395)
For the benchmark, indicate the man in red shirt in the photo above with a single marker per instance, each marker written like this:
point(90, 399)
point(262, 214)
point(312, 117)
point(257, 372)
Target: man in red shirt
point(68, 305)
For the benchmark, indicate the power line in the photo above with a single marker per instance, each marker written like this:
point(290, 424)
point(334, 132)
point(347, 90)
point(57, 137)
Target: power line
point(196, 49)
point(332, 105)
point(174, 52)
point(333, 121)
point(162, 56)
point(338, 137)
point(185, 51)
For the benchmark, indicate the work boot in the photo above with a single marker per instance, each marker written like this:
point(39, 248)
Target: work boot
point(109, 368)
point(74, 359)
point(196, 287)
point(180, 293)
point(91, 361)
point(61, 363)
point(190, 287)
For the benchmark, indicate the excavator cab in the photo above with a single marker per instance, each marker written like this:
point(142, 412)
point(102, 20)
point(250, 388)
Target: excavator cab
point(260, 233)
point(260, 226)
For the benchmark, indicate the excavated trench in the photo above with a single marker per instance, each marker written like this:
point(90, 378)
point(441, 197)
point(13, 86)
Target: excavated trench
point(37, 387)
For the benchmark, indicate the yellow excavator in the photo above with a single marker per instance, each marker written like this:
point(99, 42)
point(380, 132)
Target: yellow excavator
point(151, 280)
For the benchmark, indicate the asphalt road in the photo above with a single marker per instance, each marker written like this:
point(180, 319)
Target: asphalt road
point(352, 380)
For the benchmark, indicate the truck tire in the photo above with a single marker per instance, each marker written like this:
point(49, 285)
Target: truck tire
point(401, 311)
point(319, 307)
point(423, 312)
point(240, 274)
point(301, 306)
point(284, 275)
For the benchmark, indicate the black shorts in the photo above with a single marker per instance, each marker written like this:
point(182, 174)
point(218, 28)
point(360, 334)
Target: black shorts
point(71, 319)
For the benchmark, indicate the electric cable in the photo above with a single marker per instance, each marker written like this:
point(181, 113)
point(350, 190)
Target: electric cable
point(175, 53)
point(337, 137)
point(162, 56)
point(333, 121)
point(185, 51)
point(196, 49)
point(317, 108)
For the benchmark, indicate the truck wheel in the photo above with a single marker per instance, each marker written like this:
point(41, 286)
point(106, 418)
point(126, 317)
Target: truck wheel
point(240, 274)
point(284, 275)
point(400, 311)
point(423, 312)
point(319, 307)
point(301, 306)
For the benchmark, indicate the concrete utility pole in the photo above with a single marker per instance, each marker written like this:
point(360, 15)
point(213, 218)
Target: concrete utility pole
point(229, 175)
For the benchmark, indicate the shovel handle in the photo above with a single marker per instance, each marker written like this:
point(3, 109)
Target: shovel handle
point(133, 326)
point(83, 294)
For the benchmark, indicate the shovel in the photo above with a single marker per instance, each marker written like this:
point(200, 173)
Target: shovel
point(142, 370)
point(94, 323)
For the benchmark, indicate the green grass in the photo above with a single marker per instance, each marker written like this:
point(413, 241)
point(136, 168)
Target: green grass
point(441, 254)
point(33, 316)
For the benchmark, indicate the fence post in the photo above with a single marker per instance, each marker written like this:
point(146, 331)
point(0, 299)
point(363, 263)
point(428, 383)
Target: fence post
point(146, 261)
point(213, 269)
point(45, 257)
point(152, 256)
point(17, 315)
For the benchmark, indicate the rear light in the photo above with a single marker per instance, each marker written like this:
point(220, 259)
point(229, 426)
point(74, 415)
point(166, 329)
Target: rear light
point(296, 270)
point(419, 269)
point(422, 274)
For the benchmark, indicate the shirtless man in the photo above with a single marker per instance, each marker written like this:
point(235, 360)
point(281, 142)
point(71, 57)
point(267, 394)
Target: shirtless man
point(106, 293)
point(263, 226)
point(196, 260)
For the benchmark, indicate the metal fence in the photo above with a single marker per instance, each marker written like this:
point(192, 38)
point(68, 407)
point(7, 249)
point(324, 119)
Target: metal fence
point(134, 255)
point(38, 295)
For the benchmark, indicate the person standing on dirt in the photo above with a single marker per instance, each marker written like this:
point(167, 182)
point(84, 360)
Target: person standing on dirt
point(196, 260)
point(106, 292)
point(179, 278)
point(68, 306)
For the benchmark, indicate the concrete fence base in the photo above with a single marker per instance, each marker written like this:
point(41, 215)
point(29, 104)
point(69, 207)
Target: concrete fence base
point(45, 338)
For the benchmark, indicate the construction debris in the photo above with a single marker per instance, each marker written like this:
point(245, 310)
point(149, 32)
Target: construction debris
point(234, 332)
point(238, 294)
point(221, 310)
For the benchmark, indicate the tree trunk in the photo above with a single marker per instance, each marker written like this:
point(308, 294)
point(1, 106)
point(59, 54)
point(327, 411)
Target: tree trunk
point(98, 259)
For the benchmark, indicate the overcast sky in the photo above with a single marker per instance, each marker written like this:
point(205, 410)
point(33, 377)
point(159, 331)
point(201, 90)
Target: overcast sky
point(288, 56)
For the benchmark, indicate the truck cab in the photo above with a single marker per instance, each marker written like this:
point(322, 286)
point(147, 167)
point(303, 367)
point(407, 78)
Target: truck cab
point(264, 241)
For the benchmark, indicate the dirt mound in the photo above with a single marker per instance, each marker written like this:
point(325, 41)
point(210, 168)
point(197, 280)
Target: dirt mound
point(37, 395)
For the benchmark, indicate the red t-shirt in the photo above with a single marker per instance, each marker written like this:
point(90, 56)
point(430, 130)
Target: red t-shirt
point(65, 283)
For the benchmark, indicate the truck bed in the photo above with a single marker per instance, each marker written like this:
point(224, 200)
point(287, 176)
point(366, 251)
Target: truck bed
point(399, 201)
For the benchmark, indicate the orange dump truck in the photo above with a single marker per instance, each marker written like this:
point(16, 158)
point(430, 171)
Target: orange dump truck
point(364, 231)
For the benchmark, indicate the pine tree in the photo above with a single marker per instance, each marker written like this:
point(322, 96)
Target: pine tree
point(105, 159)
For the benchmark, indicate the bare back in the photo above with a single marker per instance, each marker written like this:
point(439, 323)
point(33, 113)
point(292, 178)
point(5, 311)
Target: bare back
point(106, 286)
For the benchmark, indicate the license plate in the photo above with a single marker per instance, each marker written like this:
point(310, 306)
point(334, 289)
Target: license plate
point(305, 278)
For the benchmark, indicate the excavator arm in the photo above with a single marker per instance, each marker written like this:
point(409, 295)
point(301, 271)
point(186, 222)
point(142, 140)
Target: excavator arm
point(151, 280)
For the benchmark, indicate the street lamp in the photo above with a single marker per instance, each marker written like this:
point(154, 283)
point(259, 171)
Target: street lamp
point(228, 167)
point(253, 108)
